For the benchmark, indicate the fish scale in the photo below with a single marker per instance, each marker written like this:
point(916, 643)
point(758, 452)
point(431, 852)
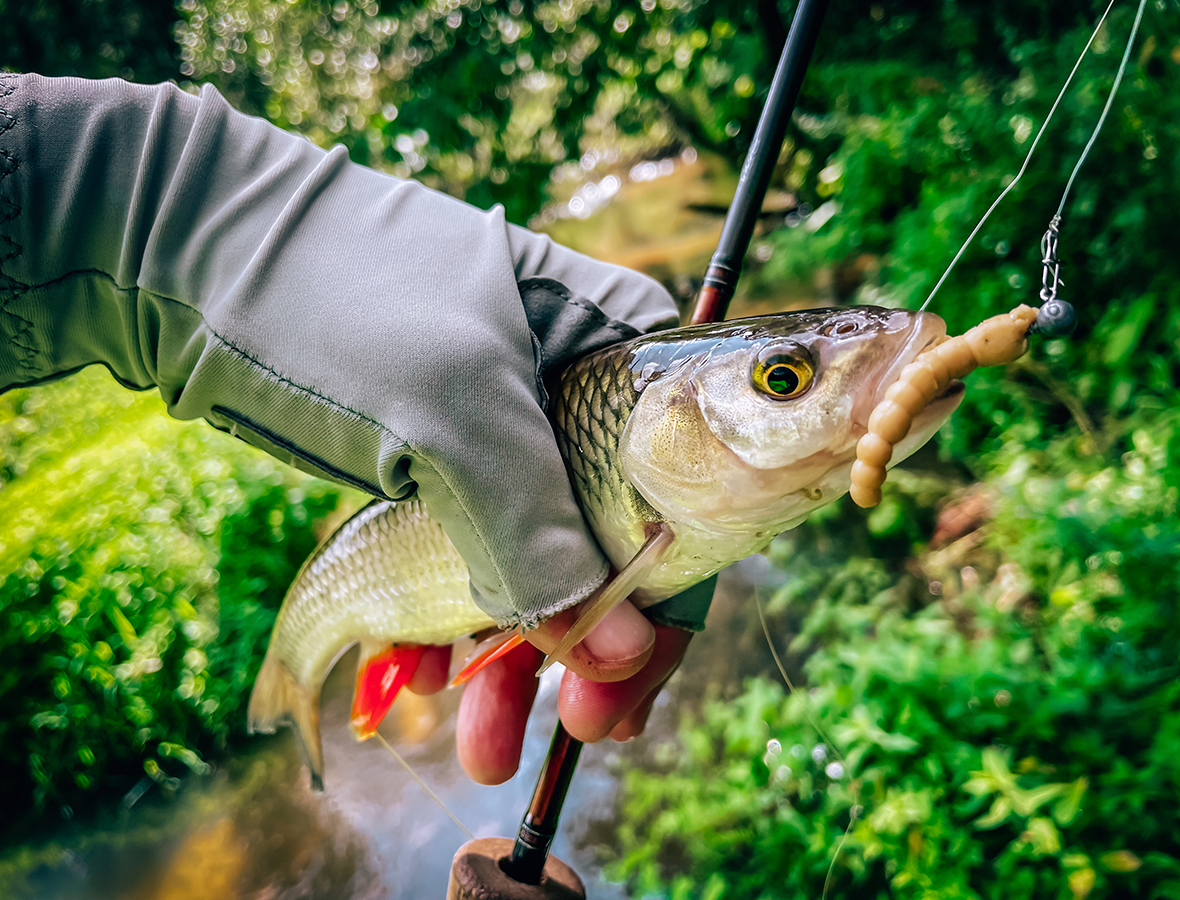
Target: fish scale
point(391, 573)
point(590, 413)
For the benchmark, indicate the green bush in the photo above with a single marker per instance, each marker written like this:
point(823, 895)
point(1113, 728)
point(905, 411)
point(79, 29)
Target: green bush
point(143, 562)
point(905, 155)
point(1019, 737)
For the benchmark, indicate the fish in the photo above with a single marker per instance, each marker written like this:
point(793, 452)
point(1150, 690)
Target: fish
point(688, 449)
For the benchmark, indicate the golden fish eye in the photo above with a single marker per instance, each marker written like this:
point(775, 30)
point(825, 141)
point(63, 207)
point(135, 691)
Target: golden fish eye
point(783, 377)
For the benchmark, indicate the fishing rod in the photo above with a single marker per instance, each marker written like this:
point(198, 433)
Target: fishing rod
point(526, 865)
point(726, 265)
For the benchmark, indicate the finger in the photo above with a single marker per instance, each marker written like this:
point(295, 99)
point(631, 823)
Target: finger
point(493, 713)
point(431, 675)
point(591, 710)
point(632, 725)
point(618, 647)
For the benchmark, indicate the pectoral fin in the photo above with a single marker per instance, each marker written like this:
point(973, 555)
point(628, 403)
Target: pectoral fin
point(383, 670)
point(486, 653)
point(650, 555)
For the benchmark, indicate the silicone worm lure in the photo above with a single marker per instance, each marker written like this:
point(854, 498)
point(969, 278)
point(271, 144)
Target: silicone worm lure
point(994, 342)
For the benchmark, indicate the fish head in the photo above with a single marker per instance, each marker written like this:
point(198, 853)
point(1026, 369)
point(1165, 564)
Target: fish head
point(753, 423)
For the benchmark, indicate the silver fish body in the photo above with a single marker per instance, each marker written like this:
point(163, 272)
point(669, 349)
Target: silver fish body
point(721, 435)
point(389, 573)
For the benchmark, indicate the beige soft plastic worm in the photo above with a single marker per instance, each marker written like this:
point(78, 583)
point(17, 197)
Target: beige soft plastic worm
point(993, 342)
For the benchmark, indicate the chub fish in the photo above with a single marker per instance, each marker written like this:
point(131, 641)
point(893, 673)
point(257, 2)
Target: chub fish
point(688, 449)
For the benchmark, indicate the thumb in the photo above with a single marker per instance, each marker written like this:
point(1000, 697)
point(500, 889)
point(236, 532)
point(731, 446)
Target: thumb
point(615, 649)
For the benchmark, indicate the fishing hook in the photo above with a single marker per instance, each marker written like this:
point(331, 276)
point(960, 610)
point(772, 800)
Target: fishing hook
point(1056, 317)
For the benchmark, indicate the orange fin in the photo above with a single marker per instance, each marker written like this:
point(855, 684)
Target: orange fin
point(380, 675)
point(481, 658)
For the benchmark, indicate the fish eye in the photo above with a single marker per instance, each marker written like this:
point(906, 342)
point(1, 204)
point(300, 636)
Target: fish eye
point(782, 376)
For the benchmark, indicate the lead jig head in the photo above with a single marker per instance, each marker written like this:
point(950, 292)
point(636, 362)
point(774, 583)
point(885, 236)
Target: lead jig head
point(1055, 319)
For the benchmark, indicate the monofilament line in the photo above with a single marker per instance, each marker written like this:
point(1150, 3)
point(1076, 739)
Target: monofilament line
point(856, 807)
point(1036, 141)
point(1114, 89)
point(422, 784)
point(787, 678)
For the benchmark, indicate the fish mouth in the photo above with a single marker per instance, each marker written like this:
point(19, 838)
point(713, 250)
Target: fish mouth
point(951, 395)
point(953, 389)
point(928, 331)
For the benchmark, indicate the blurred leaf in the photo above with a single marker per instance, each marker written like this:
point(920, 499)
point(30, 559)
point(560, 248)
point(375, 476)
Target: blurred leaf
point(131, 638)
point(1081, 882)
point(1120, 861)
point(1000, 811)
point(1067, 808)
point(1043, 836)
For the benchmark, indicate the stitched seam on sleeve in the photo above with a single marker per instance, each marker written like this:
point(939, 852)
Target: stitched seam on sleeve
point(287, 381)
point(213, 334)
point(231, 345)
point(335, 404)
point(298, 452)
point(12, 289)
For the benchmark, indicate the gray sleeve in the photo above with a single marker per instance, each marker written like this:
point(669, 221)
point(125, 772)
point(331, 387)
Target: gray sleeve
point(323, 311)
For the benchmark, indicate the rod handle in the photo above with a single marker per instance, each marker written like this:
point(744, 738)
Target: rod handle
point(477, 873)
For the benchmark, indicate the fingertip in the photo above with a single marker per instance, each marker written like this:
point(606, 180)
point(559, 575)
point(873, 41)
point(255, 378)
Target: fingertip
point(431, 675)
point(594, 709)
point(621, 734)
point(623, 638)
point(492, 716)
point(616, 649)
point(633, 725)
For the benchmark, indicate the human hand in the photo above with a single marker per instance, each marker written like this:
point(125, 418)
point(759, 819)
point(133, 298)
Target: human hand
point(611, 680)
point(352, 324)
point(607, 690)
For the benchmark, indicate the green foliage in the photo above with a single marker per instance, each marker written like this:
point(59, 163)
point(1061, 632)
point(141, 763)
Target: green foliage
point(484, 100)
point(130, 639)
point(89, 38)
point(1016, 738)
point(1020, 737)
point(908, 152)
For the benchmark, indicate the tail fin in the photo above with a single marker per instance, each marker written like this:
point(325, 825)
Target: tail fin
point(278, 699)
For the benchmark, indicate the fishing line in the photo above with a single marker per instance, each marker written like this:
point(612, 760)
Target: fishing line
point(852, 814)
point(1036, 141)
point(422, 784)
point(1118, 79)
point(782, 671)
point(855, 811)
point(1050, 278)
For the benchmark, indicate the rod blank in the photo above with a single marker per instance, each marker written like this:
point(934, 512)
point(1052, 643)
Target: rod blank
point(726, 265)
